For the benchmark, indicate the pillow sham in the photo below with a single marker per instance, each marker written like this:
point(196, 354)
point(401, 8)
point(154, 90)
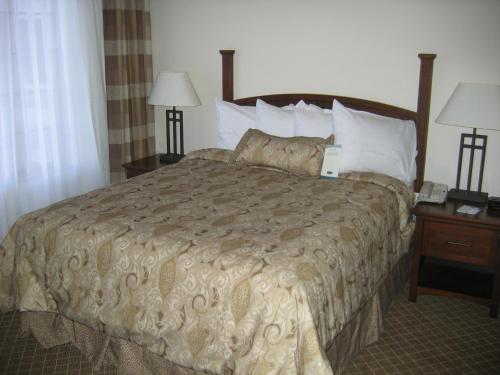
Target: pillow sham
point(374, 143)
point(312, 121)
point(275, 120)
point(232, 122)
point(297, 155)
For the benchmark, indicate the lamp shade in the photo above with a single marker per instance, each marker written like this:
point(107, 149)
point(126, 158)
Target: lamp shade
point(173, 90)
point(473, 105)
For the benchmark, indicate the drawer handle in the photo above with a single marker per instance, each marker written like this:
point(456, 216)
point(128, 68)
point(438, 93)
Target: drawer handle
point(458, 243)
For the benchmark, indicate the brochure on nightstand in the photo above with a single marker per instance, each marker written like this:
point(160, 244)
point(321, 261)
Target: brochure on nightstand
point(468, 210)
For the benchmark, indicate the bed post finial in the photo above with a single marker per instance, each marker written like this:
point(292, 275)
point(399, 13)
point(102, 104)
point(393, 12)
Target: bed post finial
point(227, 74)
point(423, 110)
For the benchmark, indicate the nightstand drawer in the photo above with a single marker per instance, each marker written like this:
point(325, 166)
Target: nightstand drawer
point(443, 234)
point(459, 242)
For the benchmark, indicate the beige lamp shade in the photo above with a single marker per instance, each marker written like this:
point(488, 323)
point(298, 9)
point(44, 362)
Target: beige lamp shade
point(173, 90)
point(473, 105)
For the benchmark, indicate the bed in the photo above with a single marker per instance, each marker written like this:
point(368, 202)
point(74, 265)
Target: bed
point(215, 266)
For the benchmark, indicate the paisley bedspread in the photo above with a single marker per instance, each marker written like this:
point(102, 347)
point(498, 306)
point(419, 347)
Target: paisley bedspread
point(213, 265)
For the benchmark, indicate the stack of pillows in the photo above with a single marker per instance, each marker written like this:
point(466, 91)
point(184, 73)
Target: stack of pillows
point(370, 143)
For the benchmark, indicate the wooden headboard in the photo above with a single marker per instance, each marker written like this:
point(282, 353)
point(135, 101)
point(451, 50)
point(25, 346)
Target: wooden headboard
point(420, 117)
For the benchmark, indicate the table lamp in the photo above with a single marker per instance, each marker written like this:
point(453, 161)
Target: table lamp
point(173, 90)
point(476, 106)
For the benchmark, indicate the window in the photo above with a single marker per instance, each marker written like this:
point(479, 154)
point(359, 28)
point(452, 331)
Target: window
point(48, 119)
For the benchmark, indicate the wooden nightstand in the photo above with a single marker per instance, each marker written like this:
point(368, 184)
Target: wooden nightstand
point(148, 164)
point(454, 252)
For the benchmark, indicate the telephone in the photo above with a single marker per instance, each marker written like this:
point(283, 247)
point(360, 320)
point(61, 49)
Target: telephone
point(432, 192)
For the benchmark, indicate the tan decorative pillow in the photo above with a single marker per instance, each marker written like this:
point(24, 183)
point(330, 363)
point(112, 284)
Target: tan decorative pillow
point(216, 154)
point(298, 155)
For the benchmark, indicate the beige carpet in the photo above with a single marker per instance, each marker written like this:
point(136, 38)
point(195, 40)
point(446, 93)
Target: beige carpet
point(434, 336)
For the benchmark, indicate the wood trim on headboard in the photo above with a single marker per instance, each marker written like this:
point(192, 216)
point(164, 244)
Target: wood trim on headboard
point(227, 74)
point(423, 110)
point(420, 117)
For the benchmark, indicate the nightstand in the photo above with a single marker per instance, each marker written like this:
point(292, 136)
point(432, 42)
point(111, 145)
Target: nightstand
point(148, 164)
point(456, 255)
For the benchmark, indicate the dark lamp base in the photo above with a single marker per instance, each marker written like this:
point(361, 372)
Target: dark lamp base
point(170, 158)
point(467, 196)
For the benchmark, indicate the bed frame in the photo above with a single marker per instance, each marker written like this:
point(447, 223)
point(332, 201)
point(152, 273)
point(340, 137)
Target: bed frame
point(420, 117)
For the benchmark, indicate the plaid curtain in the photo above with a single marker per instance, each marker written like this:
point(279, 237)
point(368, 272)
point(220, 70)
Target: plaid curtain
point(129, 77)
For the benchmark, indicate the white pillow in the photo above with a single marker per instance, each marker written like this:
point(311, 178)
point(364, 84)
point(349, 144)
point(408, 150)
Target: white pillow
point(312, 121)
point(274, 120)
point(301, 104)
point(373, 143)
point(232, 122)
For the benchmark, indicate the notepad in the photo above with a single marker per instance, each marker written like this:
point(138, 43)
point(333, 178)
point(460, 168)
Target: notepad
point(468, 210)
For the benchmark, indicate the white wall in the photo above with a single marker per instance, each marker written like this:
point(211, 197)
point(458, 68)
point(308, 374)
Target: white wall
point(361, 48)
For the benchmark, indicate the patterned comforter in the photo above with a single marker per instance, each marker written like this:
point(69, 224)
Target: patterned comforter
point(213, 265)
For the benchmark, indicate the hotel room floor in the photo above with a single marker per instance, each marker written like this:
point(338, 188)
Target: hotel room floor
point(433, 336)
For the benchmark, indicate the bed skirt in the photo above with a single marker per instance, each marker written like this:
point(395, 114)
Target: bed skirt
point(51, 329)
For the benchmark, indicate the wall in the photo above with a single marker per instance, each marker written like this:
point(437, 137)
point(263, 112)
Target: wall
point(359, 48)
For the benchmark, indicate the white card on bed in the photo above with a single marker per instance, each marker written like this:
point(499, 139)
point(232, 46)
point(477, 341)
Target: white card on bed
point(331, 161)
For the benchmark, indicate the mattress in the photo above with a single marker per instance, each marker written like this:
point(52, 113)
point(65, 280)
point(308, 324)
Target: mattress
point(213, 265)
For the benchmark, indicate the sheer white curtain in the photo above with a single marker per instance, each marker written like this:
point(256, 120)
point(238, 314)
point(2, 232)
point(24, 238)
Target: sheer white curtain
point(53, 138)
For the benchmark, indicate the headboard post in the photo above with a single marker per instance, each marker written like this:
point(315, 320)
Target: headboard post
point(423, 110)
point(227, 74)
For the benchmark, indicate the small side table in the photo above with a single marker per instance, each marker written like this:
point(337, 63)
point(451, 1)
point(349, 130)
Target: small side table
point(466, 247)
point(148, 164)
